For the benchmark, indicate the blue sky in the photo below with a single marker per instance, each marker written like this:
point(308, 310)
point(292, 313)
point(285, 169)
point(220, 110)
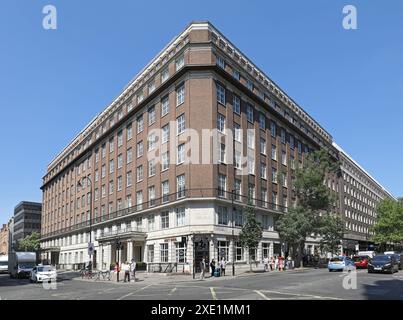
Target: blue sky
point(53, 82)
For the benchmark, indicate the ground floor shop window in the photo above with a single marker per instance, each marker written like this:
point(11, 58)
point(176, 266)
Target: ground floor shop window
point(180, 252)
point(239, 252)
point(265, 249)
point(164, 252)
point(223, 250)
point(252, 254)
point(150, 253)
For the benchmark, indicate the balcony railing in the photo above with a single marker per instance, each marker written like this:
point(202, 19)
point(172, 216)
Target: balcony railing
point(121, 233)
point(239, 200)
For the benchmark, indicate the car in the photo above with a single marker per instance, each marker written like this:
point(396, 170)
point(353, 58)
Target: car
point(361, 261)
point(398, 257)
point(43, 273)
point(340, 264)
point(383, 263)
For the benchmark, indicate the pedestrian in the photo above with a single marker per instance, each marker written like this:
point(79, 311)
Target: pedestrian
point(212, 266)
point(202, 268)
point(223, 265)
point(280, 263)
point(266, 264)
point(126, 269)
point(133, 266)
point(271, 263)
point(276, 263)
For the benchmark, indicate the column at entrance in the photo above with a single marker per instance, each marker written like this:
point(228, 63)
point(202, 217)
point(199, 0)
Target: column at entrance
point(129, 251)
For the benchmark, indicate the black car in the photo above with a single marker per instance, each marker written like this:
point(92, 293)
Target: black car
point(383, 263)
point(399, 259)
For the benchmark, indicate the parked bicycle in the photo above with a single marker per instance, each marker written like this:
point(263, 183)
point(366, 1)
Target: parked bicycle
point(86, 274)
point(103, 275)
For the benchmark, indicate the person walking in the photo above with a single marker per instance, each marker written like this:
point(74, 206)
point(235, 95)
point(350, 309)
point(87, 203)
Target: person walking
point(133, 266)
point(212, 266)
point(223, 265)
point(276, 263)
point(126, 270)
point(271, 263)
point(202, 268)
point(280, 263)
point(266, 264)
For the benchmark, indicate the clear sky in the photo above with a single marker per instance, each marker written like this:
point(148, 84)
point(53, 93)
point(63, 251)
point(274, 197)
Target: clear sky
point(53, 82)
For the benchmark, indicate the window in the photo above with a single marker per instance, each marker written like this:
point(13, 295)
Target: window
point(128, 179)
point(151, 115)
point(221, 123)
point(140, 149)
point(220, 94)
point(262, 121)
point(163, 252)
point(179, 63)
point(275, 200)
point(151, 168)
point(265, 245)
point(299, 147)
point(292, 143)
point(140, 124)
point(165, 191)
point(96, 191)
point(262, 146)
point(222, 157)
point(150, 253)
point(96, 175)
point(164, 75)
point(239, 252)
point(274, 152)
point(251, 193)
point(180, 124)
point(180, 251)
point(96, 156)
point(152, 141)
point(273, 129)
point(284, 179)
point(139, 173)
point(249, 113)
point(151, 222)
point(274, 175)
point(181, 154)
point(282, 135)
point(221, 62)
point(103, 151)
point(237, 187)
point(139, 198)
point(235, 74)
point(180, 216)
point(111, 187)
point(165, 133)
point(180, 186)
point(129, 132)
point(222, 213)
point(222, 185)
point(283, 157)
point(120, 139)
point(165, 220)
point(140, 97)
point(120, 161)
point(129, 155)
point(165, 161)
point(165, 106)
point(180, 95)
point(103, 191)
point(236, 101)
point(263, 171)
point(237, 160)
point(249, 84)
point(223, 250)
point(292, 161)
point(120, 183)
point(111, 145)
point(151, 86)
point(251, 138)
point(237, 132)
point(128, 201)
point(151, 196)
point(111, 166)
point(263, 197)
point(251, 165)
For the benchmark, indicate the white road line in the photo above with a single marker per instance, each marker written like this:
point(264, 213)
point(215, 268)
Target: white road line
point(172, 291)
point(302, 295)
point(131, 293)
point(262, 295)
point(213, 294)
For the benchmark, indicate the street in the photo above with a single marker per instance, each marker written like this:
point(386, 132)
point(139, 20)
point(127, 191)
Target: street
point(309, 284)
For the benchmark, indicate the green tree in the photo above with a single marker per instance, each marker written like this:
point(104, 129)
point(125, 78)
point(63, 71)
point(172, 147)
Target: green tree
point(388, 227)
point(30, 242)
point(251, 232)
point(331, 230)
point(313, 197)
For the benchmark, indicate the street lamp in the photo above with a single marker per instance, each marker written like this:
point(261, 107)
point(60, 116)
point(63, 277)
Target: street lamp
point(119, 246)
point(233, 236)
point(80, 184)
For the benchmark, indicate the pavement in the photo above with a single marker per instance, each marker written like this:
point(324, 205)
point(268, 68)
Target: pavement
point(306, 284)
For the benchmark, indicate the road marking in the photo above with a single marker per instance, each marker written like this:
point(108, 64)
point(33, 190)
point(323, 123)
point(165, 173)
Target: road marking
point(302, 295)
point(131, 293)
point(213, 294)
point(262, 295)
point(172, 291)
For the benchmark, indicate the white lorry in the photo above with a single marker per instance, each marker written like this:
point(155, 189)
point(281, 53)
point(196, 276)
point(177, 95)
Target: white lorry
point(3, 263)
point(20, 264)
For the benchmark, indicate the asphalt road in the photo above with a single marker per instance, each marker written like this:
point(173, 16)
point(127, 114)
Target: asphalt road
point(310, 284)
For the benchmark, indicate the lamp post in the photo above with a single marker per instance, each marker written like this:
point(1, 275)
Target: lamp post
point(90, 245)
point(119, 246)
point(233, 235)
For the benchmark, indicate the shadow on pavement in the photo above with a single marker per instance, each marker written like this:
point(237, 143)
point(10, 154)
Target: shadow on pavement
point(384, 290)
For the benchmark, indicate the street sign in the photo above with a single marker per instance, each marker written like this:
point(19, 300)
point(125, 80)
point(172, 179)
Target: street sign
point(91, 248)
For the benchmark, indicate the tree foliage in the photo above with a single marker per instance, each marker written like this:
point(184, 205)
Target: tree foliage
point(331, 230)
point(30, 242)
point(251, 232)
point(389, 224)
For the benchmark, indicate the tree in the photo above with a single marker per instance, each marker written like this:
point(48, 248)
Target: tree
point(251, 232)
point(313, 198)
point(332, 230)
point(30, 242)
point(389, 224)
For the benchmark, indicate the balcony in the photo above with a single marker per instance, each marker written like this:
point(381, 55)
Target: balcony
point(128, 233)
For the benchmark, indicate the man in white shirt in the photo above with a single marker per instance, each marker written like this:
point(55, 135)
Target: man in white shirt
point(133, 266)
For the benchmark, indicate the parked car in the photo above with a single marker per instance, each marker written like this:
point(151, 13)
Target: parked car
point(341, 263)
point(361, 262)
point(43, 273)
point(399, 259)
point(383, 263)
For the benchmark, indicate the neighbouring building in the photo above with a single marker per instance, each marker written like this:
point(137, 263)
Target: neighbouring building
point(26, 220)
point(4, 234)
point(126, 185)
point(10, 234)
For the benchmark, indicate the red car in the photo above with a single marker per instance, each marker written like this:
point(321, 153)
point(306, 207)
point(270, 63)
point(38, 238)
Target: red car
point(361, 261)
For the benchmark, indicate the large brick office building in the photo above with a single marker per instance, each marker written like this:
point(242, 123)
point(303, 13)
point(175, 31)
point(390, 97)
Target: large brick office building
point(165, 210)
